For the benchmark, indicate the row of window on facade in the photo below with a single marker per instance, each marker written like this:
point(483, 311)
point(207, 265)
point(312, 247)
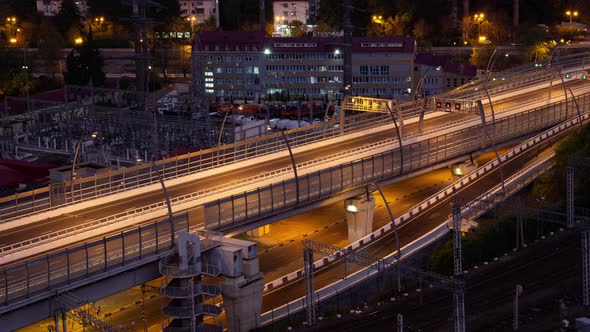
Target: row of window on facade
point(312, 80)
point(234, 93)
point(228, 47)
point(245, 58)
point(234, 70)
point(282, 68)
point(304, 56)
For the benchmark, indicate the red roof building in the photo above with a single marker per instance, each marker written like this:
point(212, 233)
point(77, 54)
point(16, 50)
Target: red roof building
point(240, 66)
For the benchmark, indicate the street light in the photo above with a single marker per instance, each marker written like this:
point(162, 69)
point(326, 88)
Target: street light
point(377, 19)
point(479, 19)
point(571, 14)
point(78, 41)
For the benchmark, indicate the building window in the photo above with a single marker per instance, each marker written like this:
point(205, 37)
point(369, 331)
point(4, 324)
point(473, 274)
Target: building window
point(364, 70)
point(385, 70)
point(374, 70)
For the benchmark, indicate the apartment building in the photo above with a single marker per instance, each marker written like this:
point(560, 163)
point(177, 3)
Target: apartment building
point(52, 7)
point(286, 13)
point(227, 64)
point(248, 65)
point(437, 74)
point(197, 11)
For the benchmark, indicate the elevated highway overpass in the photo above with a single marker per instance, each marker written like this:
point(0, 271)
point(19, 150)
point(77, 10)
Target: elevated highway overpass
point(512, 125)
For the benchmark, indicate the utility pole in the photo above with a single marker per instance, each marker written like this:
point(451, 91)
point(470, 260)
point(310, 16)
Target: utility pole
point(347, 43)
point(262, 16)
point(458, 294)
point(515, 9)
point(310, 313)
point(516, 297)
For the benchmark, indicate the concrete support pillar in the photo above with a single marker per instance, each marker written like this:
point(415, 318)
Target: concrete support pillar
point(359, 216)
point(260, 231)
point(64, 321)
point(56, 320)
point(242, 300)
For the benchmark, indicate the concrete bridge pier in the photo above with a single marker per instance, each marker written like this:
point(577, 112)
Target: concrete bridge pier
point(359, 216)
point(463, 168)
point(243, 284)
point(259, 232)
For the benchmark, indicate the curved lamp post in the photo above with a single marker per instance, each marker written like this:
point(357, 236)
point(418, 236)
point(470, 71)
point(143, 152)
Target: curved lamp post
point(294, 166)
point(221, 131)
point(417, 92)
point(577, 107)
point(398, 255)
point(399, 135)
point(487, 134)
point(170, 215)
point(485, 81)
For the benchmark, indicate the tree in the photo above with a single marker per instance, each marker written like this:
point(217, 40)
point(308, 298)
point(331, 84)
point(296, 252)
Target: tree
point(551, 187)
point(68, 20)
point(19, 85)
point(168, 10)
point(50, 44)
point(298, 29)
point(11, 59)
point(112, 10)
point(84, 64)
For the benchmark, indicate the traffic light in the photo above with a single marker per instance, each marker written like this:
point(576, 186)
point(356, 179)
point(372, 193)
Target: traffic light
point(568, 75)
point(447, 107)
point(438, 104)
point(457, 106)
point(584, 76)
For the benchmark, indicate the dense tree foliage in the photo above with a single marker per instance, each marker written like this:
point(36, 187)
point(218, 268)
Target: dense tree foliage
point(85, 64)
point(551, 188)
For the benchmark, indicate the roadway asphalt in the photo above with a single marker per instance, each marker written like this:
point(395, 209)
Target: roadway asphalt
point(67, 220)
point(408, 232)
point(281, 245)
point(332, 237)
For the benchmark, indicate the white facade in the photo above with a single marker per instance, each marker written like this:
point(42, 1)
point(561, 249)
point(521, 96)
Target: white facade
point(197, 11)
point(52, 7)
point(287, 12)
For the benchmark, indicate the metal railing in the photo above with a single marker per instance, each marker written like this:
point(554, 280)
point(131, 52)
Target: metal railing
point(198, 288)
point(373, 149)
point(233, 211)
point(513, 185)
point(175, 271)
point(190, 311)
point(83, 189)
point(87, 262)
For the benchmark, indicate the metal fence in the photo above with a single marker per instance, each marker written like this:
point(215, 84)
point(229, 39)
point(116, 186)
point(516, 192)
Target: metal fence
point(236, 210)
point(83, 189)
point(112, 254)
point(78, 190)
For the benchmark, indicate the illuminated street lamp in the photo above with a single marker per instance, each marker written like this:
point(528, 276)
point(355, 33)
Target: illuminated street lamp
point(13, 40)
point(479, 19)
point(571, 14)
point(79, 41)
point(377, 19)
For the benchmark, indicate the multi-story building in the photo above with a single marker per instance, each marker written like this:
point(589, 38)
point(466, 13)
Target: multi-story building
point(437, 74)
point(314, 11)
point(227, 64)
point(286, 13)
point(247, 65)
point(52, 7)
point(197, 11)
